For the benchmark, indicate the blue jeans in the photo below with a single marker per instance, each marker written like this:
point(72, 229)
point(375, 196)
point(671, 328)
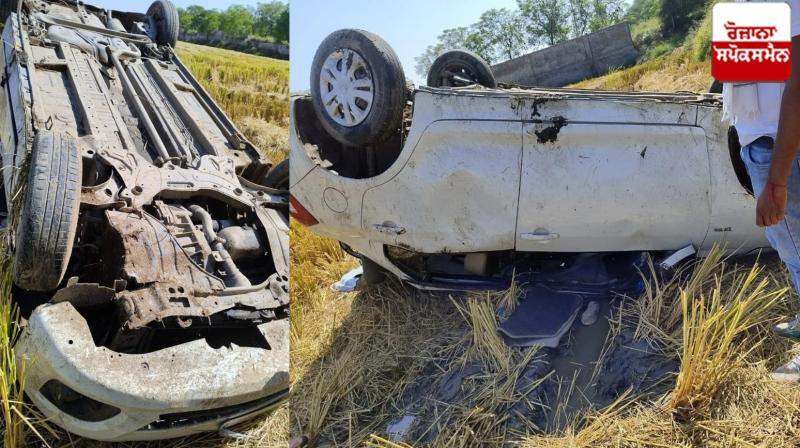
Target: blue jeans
point(784, 237)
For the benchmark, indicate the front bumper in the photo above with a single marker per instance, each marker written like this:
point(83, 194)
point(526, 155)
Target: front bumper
point(173, 392)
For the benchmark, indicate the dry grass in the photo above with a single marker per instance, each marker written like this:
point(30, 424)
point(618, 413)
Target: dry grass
point(673, 72)
point(715, 331)
point(356, 355)
point(253, 91)
point(723, 395)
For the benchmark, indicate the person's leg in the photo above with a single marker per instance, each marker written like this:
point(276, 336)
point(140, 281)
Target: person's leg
point(784, 237)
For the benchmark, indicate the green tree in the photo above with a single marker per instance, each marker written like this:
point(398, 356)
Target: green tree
point(580, 13)
point(208, 20)
point(281, 33)
point(186, 21)
point(677, 16)
point(546, 21)
point(504, 31)
point(197, 16)
point(641, 10)
point(267, 18)
point(236, 21)
point(606, 13)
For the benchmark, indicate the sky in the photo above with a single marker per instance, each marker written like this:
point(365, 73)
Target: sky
point(409, 26)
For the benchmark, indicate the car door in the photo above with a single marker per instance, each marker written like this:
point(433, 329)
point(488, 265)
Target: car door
point(457, 192)
point(610, 186)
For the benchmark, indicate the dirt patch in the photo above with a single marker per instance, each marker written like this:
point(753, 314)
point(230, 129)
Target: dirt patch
point(635, 364)
point(554, 389)
point(550, 134)
point(535, 106)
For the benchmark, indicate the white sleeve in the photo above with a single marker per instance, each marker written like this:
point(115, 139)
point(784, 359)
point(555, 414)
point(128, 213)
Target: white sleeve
point(795, 5)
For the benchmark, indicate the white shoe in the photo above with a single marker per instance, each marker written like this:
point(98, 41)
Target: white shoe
point(589, 316)
point(789, 372)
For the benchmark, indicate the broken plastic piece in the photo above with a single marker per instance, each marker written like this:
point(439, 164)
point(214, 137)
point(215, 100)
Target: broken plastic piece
point(349, 281)
point(542, 317)
point(678, 256)
point(226, 433)
point(399, 429)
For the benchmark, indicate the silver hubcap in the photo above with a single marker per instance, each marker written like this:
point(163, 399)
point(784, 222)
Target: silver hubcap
point(345, 84)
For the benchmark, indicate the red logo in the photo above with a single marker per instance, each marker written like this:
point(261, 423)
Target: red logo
point(751, 42)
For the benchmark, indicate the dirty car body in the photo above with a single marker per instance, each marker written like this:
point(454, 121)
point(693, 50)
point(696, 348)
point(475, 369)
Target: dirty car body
point(171, 314)
point(497, 174)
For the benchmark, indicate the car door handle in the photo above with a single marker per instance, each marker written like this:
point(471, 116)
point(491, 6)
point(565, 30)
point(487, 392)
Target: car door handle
point(539, 237)
point(389, 229)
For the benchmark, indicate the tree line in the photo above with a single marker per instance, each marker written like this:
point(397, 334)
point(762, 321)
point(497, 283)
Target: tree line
point(502, 34)
point(265, 20)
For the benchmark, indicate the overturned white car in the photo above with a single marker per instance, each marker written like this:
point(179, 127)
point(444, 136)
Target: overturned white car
point(472, 180)
point(149, 237)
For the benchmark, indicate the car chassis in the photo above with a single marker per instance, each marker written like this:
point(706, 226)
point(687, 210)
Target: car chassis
point(170, 316)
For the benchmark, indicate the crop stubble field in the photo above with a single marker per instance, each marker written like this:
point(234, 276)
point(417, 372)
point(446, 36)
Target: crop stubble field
point(363, 360)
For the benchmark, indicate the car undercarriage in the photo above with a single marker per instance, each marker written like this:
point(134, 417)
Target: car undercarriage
point(143, 228)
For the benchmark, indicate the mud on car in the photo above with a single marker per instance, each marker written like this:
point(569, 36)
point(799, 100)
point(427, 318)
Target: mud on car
point(149, 236)
point(455, 184)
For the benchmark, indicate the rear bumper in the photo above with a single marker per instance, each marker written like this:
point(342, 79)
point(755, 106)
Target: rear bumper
point(173, 392)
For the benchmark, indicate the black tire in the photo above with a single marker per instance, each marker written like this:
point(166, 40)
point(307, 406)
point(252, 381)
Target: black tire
point(464, 64)
point(165, 18)
point(389, 88)
point(278, 176)
point(716, 87)
point(49, 216)
point(734, 151)
point(6, 8)
point(373, 274)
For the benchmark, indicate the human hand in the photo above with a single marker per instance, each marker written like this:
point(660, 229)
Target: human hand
point(771, 205)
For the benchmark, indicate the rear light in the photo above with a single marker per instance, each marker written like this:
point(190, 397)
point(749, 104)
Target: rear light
point(299, 213)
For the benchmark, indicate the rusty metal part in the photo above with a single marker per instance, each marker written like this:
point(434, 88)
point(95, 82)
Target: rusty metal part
point(150, 254)
point(174, 286)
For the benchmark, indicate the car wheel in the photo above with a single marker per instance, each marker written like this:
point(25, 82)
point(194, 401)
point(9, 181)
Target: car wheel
point(278, 176)
point(460, 68)
point(373, 274)
point(164, 17)
point(6, 8)
point(49, 216)
point(716, 87)
point(358, 88)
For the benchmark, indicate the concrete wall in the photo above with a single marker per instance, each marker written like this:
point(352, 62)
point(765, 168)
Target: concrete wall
point(571, 61)
point(252, 46)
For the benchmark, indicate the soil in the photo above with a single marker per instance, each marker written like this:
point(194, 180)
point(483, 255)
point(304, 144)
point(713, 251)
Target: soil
point(575, 382)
